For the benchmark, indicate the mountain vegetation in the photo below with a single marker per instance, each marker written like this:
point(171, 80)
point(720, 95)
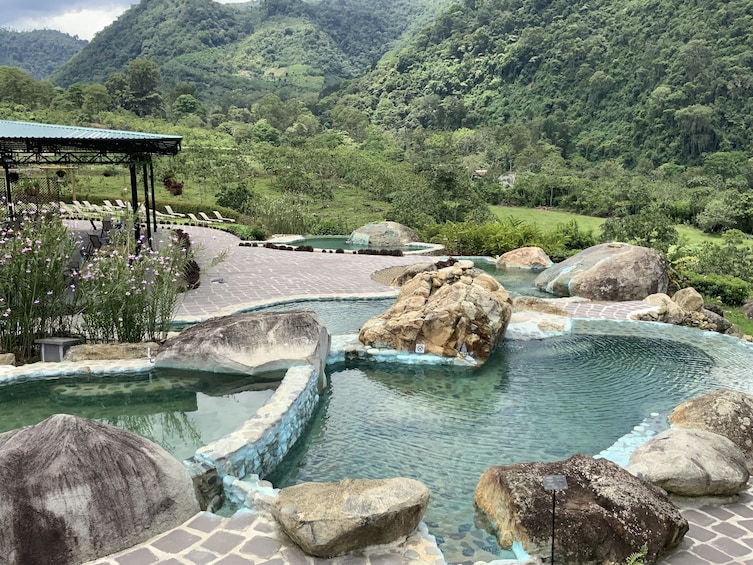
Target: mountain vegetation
point(319, 116)
point(38, 52)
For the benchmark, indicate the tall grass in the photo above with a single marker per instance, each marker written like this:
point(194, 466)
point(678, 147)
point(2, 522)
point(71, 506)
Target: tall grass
point(36, 297)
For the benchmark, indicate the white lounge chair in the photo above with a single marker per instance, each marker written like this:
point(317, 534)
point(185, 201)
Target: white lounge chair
point(170, 212)
point(222, 218)
point(196, 220)
point(207, 218)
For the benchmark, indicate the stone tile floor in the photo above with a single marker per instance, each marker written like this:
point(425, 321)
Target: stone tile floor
point(248, 275)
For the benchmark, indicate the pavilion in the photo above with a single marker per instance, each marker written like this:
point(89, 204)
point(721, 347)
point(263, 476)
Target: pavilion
point(27, 143)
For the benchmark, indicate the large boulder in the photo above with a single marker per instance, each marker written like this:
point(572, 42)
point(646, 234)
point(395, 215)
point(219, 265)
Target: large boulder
point(691, 462)
point(383, 234)
point(525, 258)
point(605, 515)
point(74, 490)
point(725, 412)
point(689, 299)
point(331, 519)
point(250, 343)
point(610, 271)
point(457, 311)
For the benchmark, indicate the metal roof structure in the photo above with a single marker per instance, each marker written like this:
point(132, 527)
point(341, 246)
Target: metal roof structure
point(27, 143)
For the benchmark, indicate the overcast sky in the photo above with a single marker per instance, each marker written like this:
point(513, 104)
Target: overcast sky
point(75, 17)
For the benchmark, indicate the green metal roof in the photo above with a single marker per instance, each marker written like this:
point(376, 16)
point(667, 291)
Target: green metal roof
point(48, 143)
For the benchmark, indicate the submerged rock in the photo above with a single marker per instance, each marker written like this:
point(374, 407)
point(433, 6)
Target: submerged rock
point(73, 490)
point(605, 515)
point(331, 519)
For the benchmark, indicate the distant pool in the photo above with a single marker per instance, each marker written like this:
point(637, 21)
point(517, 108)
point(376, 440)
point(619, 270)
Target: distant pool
point(341, 242)
point(179, 410)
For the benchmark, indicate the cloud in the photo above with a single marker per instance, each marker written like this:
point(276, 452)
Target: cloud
point(75, 17)
point(78, 17)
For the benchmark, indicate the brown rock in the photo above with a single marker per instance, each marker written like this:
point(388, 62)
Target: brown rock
point(689, 299)
point(383, 234)
point(7, 359)
point(532, 303)
point(331, 519)
point(456, 311)
point(728, 413)
point(525, 258)
point(605, 515)
point(105, 351)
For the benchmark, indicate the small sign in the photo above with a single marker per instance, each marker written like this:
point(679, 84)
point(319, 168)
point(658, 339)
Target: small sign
point(420, 348)
point(554, 482)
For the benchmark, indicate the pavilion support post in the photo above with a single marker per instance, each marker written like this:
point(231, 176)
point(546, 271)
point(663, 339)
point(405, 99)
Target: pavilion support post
point(148, 206)
point(8, 195)
point(135, 205)
point(154, 200)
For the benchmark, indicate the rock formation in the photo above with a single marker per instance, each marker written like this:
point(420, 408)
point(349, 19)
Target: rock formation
point(103, 351)
point(691, 462)
point(525, 258)
point(331, 519)
point(383, 234)
point(604, 516)
point(74, 490)
point(249, 343)
point(457, 311)
point(728, 413)
point(686, 308)
point(610, 271)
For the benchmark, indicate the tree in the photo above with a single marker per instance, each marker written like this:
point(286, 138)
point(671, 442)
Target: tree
point(96, 99)
point(185, 104)
point(143, 81)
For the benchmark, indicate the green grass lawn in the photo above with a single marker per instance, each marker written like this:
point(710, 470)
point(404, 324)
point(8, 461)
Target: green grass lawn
point(548, 220)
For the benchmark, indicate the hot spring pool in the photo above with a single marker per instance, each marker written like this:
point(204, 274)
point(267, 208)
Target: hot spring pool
point(532, 401)
point(341, 242)
point(179, 410)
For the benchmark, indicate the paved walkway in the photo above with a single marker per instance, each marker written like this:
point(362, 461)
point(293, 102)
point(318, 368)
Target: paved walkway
point(249, 275)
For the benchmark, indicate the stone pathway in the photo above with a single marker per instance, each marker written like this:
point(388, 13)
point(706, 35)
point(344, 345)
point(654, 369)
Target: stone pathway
point(249, 275)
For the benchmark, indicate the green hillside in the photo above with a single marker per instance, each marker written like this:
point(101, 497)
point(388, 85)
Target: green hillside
point(38, 52)
point(645, 81)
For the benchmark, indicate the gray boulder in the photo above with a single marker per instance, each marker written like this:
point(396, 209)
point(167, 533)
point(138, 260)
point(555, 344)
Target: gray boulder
point(690, 462)
point(331, 519)
point(747, 309)
point(605, 515)
point(7, 359)
point(74, 490)
point(383, 234)
point(249, 343)
point(457, 311)
point(725, 412)
point(610, 271)
point(525, 258)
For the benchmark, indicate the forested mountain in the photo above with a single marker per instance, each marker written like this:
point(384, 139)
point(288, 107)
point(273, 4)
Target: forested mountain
point(231, 50)
point(646, 81)
point(159, 30)
point(38, 52)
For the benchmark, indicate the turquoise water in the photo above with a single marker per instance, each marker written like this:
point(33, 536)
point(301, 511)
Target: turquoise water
point(532, 401)
point(341, 242)
point(179, 410)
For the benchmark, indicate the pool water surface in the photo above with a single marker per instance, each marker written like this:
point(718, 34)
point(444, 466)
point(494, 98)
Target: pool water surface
point(532, 401)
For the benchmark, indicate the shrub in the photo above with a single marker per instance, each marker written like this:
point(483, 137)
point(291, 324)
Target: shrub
point(727, 289)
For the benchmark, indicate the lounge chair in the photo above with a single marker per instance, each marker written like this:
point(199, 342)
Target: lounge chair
point(194, 219)
point(121, 204)
point(207, 218)
point(221, 218)
point(170, 212)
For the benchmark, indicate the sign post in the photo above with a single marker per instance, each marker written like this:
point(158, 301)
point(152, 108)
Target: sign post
point(553, 483)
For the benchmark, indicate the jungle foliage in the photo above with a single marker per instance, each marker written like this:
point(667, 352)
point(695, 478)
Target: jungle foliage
point(38, 52)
